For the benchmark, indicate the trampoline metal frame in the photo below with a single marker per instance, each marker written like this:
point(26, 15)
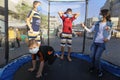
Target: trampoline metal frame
point(86, 13)
point(115, 69)
point(9, 70)
point(6, 27)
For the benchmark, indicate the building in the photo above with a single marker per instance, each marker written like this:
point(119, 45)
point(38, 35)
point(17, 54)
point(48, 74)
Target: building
point(54, 22)
point(114, 7)
point(2, 24)
point(53, 25)
point(91, 21)
point(12, 4)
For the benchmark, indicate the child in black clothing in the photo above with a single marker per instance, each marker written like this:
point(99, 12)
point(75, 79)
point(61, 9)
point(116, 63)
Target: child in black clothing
point(45, 53)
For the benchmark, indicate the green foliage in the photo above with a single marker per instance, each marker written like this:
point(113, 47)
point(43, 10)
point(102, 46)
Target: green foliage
point(23, 10)
point(44, 21)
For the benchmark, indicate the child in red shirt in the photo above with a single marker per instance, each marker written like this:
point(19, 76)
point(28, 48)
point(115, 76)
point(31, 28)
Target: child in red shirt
point(67, 17)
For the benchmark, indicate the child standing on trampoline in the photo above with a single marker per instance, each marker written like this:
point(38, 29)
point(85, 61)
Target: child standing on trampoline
point(33, 22)
point(66, 37)
point(102, 34)
point(44, 53)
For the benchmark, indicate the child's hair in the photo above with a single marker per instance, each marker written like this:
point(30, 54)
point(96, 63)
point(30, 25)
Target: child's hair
point(69, 10)
point(35, 3)
point(32, 42)
point(106, 12)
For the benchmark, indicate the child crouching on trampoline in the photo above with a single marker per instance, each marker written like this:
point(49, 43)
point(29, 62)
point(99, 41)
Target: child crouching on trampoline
point(44, 53)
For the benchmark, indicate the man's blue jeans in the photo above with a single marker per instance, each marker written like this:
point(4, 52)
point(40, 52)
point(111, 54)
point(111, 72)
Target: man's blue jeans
point(97, 50)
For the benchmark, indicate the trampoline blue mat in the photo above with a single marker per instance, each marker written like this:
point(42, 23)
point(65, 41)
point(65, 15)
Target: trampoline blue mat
point(9, 70)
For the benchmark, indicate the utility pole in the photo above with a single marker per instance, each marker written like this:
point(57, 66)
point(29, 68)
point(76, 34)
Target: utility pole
point(48, 22)
point(6, 31)
point(111, 4)
point(84, 37)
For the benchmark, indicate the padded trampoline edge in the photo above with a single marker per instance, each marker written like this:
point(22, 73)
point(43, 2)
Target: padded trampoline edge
point(8, 71)
point(114, 69)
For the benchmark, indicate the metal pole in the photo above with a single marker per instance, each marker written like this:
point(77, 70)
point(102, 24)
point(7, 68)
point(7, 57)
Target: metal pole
point(6, 32)
point(84, 37)
point(111, 4)
point(48, 22)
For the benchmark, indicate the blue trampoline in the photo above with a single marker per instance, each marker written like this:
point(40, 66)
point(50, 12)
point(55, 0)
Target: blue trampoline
point(78, 67)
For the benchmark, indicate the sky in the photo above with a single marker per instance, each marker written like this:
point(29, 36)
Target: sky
point(78, 7)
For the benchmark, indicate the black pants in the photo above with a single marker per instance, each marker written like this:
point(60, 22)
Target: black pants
point(18, 42)
point(0, 43)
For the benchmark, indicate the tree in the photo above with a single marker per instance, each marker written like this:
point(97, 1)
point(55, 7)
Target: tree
point(23, 10)
point(44, 21)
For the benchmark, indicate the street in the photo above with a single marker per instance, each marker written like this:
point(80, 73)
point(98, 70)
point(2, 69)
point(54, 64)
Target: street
point(111, 54)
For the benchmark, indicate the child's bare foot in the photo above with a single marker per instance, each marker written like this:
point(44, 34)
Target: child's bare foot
point(38, 75)
point(62, 57)
point(31, 69)
point(69, 59)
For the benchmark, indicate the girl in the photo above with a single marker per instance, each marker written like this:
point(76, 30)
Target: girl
point(102, 34)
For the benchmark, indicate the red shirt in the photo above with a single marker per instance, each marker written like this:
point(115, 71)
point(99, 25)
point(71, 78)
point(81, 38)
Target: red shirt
point(67, 24)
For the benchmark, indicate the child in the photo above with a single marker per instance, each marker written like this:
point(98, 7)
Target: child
point(33, 22)
point(66, 37)
point(45, 53)
point(102, 30)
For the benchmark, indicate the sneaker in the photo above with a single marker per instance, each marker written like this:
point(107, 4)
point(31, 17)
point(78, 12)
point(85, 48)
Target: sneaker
point(91, 70)
point(100, 74)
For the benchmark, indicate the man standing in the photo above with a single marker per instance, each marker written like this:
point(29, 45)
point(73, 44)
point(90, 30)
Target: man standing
point(18, 37)
point(12, 37)
point(66, 36)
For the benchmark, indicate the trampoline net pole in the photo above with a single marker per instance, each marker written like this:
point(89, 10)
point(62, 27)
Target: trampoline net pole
point(84, 37)
point(6, 32)
point(48, 22)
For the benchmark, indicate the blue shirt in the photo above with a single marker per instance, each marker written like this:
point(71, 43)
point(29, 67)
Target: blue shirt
point(35, 20)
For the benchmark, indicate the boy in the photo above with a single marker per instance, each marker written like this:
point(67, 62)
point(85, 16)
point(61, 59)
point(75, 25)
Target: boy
point(34, 26)
point(66, 37)
point(45, 53)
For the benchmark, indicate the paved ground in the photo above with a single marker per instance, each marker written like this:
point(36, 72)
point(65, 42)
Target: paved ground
point(111, 54)
point(17, 52)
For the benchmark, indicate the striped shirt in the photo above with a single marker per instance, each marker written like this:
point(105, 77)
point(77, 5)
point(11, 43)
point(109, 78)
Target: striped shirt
point(35, 19)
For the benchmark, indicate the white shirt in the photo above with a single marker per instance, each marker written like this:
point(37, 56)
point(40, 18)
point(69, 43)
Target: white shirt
point(100, 37)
